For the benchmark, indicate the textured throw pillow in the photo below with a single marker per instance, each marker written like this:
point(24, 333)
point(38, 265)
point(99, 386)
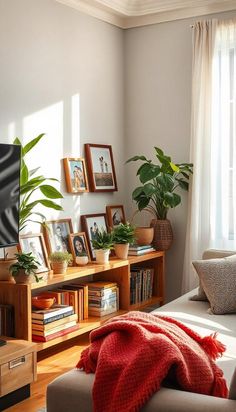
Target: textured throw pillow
point(218, 279)
point(210, 254)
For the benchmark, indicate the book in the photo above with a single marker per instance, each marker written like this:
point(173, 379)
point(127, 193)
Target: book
point(36, 338)
point(73, 298)
point(54, 330)
point(100, 313)
point(85, 297)
point(140, 252)
point(53, 318)
point(54, 310)
point(39, 325)
point(100, 285)
point(140, 247)
point(102, 292)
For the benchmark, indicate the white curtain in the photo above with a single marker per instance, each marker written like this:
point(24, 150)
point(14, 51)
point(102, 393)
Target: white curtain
point(212, 208)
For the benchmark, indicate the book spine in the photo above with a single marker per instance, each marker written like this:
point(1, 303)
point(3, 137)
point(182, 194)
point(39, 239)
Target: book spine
point(37, 338)
point(54, 317)
point(54, 330)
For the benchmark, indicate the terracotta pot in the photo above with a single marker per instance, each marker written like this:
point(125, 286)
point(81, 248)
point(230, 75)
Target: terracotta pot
point(102, 256)
point(59, 268)
point(4, 269)
point(144, 235)
point(121, 250)
point(81, 260)
point(163, 234)
point(21, 277)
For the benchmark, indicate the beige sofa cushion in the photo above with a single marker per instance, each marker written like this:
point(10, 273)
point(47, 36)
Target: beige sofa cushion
point(218, 278)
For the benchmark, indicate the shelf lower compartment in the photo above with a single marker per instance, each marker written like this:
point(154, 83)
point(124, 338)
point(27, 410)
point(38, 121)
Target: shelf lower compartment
point(85, 326)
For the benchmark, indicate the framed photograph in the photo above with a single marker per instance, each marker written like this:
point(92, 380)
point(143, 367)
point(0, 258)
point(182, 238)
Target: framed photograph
point(56, 233)
point(90, 225)
point(79, 244)
point(101, 169)
point(75, 174)
point(115, 215)
point(34, 243)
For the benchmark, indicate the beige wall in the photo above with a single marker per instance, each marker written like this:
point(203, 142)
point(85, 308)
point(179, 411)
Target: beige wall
point(61, 73)
point(158, 110)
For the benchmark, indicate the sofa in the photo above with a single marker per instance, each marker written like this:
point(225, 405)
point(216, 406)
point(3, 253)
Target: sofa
point(73, 391)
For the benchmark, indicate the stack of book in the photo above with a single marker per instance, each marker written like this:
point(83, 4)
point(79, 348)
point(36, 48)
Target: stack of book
point(138, 250)
point(7, 320)
point(141, 284)
point(103, 298)
point(51, 323)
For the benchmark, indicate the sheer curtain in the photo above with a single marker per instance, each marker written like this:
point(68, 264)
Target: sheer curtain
point(212, 208)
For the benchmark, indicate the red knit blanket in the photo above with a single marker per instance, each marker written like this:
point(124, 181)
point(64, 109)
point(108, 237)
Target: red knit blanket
point(132, 354)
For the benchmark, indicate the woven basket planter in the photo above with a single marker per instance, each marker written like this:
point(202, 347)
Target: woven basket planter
point(163, 234)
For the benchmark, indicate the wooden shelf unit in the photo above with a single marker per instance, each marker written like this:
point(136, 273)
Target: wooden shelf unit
point(19, 295)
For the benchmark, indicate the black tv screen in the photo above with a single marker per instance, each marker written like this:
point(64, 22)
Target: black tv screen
point(9, 194)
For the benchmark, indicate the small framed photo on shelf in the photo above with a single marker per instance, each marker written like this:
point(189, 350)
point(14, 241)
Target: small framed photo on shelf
point(56, 233)
point(115, 215)
point(75, 174)
point(79, 244)
point(90, 225)
point(34, 243)
point(101, 169)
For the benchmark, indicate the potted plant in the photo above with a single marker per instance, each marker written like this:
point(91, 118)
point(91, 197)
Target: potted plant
point(24, 268)
point(81, 258)
point(123, 236)
point(102, 245)
point(158, 192)
point(59, 262)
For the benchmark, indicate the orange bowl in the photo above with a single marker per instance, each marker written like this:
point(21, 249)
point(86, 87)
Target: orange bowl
point(42, 303)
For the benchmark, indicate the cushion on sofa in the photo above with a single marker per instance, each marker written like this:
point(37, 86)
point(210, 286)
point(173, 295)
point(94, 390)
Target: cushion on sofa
point(210, 254)
point(218, 278)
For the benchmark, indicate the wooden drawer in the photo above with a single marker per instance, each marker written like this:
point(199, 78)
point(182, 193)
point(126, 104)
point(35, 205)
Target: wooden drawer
point(16, 373)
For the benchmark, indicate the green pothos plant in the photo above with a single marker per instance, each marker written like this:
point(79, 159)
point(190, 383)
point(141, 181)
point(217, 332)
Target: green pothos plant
point(160, 183)
point(32, 183)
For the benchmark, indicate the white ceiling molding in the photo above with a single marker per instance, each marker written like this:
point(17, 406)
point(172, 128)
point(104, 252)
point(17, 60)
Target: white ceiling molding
point(134, 13)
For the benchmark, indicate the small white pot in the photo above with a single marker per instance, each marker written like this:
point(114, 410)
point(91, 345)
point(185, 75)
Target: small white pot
point(102, 256)
point(121, 250)
point(81, 260)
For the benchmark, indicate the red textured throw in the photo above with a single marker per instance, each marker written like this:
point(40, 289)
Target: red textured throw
point(132, 354)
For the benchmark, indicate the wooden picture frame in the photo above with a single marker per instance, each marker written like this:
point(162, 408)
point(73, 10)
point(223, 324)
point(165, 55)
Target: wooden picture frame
point(75, 175)
point(56, 234)
point(34, 243)
point(90, 224)
point(115, 215)
point(101, 169)
point(78, 243)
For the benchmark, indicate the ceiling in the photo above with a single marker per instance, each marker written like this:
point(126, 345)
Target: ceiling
point(133, 13)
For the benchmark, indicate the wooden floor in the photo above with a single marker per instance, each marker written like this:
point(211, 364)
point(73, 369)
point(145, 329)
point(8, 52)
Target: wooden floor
point(50, 365)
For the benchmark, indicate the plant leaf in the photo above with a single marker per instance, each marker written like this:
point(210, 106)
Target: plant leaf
point(24, 174)
point(32, 143)
point(50, 192)
point(137, 192)
point(148, 172)
point(174, 167)
point(134, 158)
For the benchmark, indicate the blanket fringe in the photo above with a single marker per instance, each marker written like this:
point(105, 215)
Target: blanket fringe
point(213, 347)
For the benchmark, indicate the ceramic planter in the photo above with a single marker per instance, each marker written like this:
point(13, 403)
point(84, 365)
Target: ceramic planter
point(81, 260)
point(121, 250)
point(4, 269)
point(21, 277)
point(144, 235)
point(102, 256)
point(59, 268)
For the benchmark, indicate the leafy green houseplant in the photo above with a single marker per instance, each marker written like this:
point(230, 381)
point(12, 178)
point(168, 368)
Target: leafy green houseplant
point(102, 245)
point(25, 266)
point(123, 236)
point(160, 183)
point(59, 262)
point(32, 183)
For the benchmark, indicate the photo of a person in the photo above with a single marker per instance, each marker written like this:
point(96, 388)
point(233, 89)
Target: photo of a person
point(79, 245)
point(57, 235)
point(116, 219)
point(115, 215)
point(75, 174)
point(34, 243)
point(91, 224)
point(100, 167)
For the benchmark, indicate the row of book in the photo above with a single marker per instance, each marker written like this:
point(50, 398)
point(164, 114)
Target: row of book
point(7, 326)
point(139, 250)
point(141, 284)
point(103, 298)
point(74, 303)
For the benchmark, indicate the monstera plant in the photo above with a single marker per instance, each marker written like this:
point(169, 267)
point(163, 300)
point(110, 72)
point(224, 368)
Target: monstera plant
point(33, 185)
point(159, 189)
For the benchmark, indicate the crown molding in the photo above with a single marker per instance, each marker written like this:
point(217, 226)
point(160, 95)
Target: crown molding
point(126, 14)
